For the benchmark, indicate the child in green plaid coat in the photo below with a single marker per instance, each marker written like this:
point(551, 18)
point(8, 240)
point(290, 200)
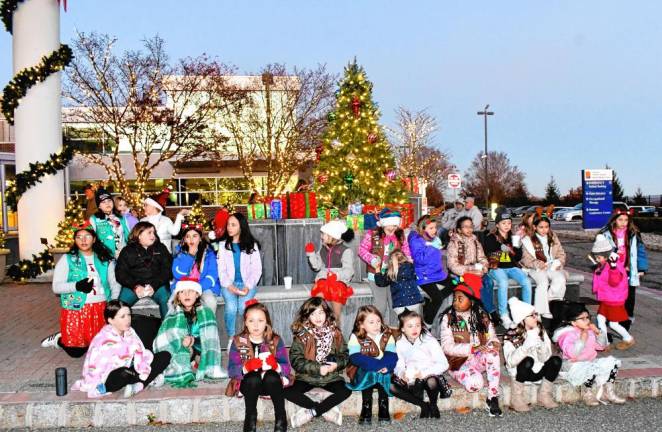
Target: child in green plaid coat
point(190, 334)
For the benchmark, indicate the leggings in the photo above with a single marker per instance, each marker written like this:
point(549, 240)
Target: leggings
point(296, 394)
point(437, 293)
point(75, 352)
point(470, 374)
point(414, 393)
point(123, 376)
point(549, 371)
point(629, 307)
point(253, 385)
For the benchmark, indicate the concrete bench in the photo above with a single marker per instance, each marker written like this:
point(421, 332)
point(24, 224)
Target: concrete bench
point(283, 305)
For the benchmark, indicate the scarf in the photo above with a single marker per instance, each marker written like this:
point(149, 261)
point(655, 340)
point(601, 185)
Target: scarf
point(324, 342)
point(171, 334)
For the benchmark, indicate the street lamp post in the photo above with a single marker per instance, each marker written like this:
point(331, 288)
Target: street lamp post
point(486, 113)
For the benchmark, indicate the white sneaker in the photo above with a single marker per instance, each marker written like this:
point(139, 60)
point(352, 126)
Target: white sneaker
point(334, 415)
point(301, 417)
point(158, 381)
point(51, 341)
point(506, 322)
point(132, 389)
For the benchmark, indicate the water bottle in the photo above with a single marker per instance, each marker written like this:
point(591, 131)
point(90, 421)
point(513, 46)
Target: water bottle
point(61, 381)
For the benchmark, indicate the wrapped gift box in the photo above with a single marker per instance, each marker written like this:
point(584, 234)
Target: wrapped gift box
point(355, 222)
point(302, 205)
point(328, 214)
point(258, 211)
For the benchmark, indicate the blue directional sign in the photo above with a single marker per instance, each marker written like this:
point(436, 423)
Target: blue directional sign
point(597, 197)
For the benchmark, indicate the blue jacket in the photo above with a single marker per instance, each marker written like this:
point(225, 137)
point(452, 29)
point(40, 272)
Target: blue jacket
point(427, 260)
point(404, 289)
point(183, 263)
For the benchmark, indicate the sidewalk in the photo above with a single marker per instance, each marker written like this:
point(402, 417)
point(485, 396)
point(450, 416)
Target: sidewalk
point(27, 390)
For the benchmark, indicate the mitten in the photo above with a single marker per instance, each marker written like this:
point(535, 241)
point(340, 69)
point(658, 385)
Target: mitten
point(85, 285)
point(271, 362)
point(613, 257)
point(253, 365)
point(436, 243)
point(310, 248)
point(505, 248)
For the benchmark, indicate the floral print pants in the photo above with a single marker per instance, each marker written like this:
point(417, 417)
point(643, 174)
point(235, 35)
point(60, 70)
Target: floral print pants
point(470, 374)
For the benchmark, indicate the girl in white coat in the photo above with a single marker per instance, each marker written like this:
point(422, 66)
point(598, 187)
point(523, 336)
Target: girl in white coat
point(421, 365)
point(166, 229)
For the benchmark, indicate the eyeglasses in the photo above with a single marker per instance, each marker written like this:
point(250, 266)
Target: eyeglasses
point(533, 315)
point(584, 318)
point(466, 226)
point(84, 237)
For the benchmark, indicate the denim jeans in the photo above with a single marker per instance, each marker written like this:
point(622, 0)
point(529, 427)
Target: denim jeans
point(234, 305)
point(160, 296)
point(501, 276)
point(487, 294)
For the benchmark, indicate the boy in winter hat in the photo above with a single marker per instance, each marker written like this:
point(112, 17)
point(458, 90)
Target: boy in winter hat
point(527, 351)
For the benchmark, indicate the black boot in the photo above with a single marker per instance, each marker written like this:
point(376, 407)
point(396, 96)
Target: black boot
point(382, 406)
point(281, 424)
point(250, 422)
point(425, 410)
point(366, 407)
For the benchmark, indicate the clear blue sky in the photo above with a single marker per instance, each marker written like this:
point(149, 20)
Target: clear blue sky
point(574, 84)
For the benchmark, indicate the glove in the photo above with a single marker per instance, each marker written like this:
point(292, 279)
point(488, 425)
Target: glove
point(253, 365)
point(310, 248)
point(436, 243)
point(505, 248)
point(613, 257)
point(271, 362)
point(85, 285)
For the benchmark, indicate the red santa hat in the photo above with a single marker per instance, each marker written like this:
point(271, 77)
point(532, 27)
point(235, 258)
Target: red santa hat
point(220, 224)
point(159, 200)
point(470, 285)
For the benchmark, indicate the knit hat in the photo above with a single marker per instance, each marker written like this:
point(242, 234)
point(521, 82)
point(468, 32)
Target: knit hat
point(519, 310)
point(388, 217)
point(601, 245)
point(159, 200)
point(573, 310)
point(334, 228)
point(502, 214)
point(469, 284)
point(459, 201)
point(101, 195)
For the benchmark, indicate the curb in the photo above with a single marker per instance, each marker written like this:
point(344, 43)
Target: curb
point(195, 406)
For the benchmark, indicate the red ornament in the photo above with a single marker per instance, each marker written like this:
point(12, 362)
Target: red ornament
point(372, 138)
point(318, 152)
point(322, 178)
point(356, 105)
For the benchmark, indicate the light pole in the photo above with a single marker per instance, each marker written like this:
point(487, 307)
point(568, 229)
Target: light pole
point(486, 113)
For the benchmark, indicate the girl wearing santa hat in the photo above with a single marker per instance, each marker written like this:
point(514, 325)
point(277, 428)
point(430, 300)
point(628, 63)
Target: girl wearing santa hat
point(84, 278)
point(527, 351)
point(470, 342)
point(194, 258)
point(154, 207)
point(334, 264)
point(190, 334)
point(375, 248)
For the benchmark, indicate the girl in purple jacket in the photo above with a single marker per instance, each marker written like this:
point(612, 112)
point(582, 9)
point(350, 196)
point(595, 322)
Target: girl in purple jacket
point(239, 268)
point(425, 247)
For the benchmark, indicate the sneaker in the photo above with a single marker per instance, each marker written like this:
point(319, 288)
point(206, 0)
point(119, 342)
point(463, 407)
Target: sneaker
point(301, 417)
point(51, 341)
point(492, 405)
point(334, 415)
point(507, 323)
point(625, 344)
point(132, 389)
point(158, 381)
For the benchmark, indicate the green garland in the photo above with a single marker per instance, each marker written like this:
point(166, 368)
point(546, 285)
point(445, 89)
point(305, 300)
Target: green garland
point(30, 269)
point(26, 179)
point(19, 85)
point(7, 8)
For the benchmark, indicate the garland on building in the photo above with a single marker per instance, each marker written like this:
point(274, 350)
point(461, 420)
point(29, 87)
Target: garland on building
point(26, 179)
point(19, 85)
point(30, 269)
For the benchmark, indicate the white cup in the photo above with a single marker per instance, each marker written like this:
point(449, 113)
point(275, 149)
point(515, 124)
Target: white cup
point(288, 282)
point(516, 240)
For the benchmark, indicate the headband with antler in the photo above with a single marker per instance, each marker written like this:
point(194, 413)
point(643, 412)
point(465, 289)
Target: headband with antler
point(87, 225)
point(620, 211)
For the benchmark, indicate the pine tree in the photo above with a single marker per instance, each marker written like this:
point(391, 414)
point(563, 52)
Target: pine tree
point(356, 162)
point(552, 193)
point(638, 198)
point(73, 215)
point(197, 216)
point(618, 194)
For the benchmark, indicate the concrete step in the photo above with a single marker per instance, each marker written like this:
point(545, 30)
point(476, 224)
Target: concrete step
point(207, 404)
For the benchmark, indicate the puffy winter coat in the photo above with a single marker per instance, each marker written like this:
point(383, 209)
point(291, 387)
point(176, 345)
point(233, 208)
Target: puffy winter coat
point(427, 260)
point(183, 263)
point(404, 289)
point(139, 266)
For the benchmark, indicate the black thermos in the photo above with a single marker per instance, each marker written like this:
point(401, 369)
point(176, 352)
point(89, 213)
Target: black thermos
point(61, 381)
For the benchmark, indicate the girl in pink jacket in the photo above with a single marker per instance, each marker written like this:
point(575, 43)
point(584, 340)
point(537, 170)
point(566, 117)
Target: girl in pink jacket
point(579, 341)
point(610, 286)
point(375, 248)
point(117, 358)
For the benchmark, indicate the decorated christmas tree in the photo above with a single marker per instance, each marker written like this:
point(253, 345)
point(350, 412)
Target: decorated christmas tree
point(355, 161)
point(197, 216)
point(73, 215)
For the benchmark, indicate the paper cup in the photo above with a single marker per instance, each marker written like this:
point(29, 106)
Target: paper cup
point(516, 240)
point(287, 280)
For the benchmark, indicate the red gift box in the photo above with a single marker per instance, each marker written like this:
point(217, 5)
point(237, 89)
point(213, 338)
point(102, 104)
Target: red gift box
point(302, 205)
point(406, 213)
point(411, 184)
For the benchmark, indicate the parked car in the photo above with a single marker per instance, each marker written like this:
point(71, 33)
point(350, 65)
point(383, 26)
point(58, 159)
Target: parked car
point(560, 209)
point(519, 211)
point(621, 205)
point(645, 211)
point(571, 214)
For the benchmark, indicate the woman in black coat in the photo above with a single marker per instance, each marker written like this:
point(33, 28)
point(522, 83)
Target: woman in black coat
point(144, 268)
